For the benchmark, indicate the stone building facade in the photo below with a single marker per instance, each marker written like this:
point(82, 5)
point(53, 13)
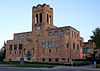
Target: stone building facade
point(47, 42)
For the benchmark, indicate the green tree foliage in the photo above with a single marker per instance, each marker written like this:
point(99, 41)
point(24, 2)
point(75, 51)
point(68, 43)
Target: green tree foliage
point(2, 55)
point(96, 37)
point(29, 55)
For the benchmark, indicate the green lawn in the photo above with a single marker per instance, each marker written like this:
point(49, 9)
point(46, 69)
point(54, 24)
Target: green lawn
point(32, 65)
point(40, 65)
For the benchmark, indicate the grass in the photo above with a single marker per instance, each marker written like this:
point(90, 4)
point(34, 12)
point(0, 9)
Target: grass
point(31, 65)
point(41, 65)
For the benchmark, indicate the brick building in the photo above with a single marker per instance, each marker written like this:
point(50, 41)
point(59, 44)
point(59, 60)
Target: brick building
point(46, 42)
point(87, 49)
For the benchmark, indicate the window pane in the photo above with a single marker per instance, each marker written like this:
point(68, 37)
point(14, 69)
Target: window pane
point(20, 46)
point(85, 50)
point(62, 32)
point(50, 44)
point(18, 38)
point(57, 44)
point(10, 47)
point(43, 44)
point(36, 19)
point(23, 37)
point(74, 45)
point(40, 17)
point(47, 18)
point(55, 33)
point(49, 34)
point(15, 47)
point(67, 44)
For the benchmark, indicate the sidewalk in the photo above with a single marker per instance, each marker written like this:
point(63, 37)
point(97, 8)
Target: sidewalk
point(78, 68)
point(5, 65)
point(65, 68)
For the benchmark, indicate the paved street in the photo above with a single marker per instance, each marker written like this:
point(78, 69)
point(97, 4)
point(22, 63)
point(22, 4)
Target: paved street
point(60, 68)
point(29, 69)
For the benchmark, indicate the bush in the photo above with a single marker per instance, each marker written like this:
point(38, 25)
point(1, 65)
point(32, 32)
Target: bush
point(98, 66)
point(81, 63)
point(12, 62)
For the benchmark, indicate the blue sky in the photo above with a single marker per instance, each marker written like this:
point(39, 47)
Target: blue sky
point(16, 16)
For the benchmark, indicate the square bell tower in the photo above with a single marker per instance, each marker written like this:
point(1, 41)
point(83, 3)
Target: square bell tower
point(42, 17)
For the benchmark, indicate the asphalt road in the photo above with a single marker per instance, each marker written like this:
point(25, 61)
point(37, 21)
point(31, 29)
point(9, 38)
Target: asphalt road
point(59, 68)
point(28, 69)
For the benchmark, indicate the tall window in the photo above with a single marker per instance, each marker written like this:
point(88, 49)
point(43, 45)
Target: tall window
point(50, 59)
point(43, 44)
point(73, 45)
point(67, 44)
point(36, 19)
point(50, 44)
point(10, 47)
point(57, 44)
point(50, 50)
point(15, 47)
point(20, 46)
point(40, 17)
point(75, 35)
point(77, 47)
point(72, 34)
point(22, 36)
point(18, 38)
point(47, 18)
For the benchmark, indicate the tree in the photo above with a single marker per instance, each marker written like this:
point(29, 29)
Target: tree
point(3, 52)
point(96, 37)
point(1, 59)
point(29, 55)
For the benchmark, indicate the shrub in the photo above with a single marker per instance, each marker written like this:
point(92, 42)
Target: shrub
point(98, 66)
